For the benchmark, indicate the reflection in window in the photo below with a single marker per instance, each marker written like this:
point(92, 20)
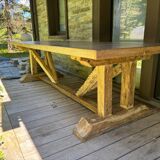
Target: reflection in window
point(129, 19)
point(62, 16)
point(129, 25)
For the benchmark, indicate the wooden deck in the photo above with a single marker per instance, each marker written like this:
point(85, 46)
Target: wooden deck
point(42, 121)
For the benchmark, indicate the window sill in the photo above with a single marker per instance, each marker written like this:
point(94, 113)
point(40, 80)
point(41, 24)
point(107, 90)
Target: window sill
point(58, 37)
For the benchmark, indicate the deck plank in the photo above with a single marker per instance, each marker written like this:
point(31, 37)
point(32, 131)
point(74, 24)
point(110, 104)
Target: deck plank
point(43, 119)
point(150, 151)
point(126, 145)
point(112, 137)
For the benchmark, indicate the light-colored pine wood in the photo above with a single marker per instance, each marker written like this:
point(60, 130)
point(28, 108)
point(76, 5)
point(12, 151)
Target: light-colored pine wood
point(91, 82)
point(44, 66)
point(117, 70)
point(104, 91)
point(51, 65)
point(84, 63)
point(128, 85)
point(33, 63)
point(116, 60)
point(88, 84)
point(96, 51)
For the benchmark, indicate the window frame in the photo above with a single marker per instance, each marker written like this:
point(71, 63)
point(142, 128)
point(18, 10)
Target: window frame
point(53, 23)
point(102, 20)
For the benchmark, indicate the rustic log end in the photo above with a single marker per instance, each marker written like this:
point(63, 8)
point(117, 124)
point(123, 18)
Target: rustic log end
point(83, 129)
point(28, 78)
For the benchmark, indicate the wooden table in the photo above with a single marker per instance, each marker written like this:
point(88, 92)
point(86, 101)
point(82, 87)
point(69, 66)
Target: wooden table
point(108, 60)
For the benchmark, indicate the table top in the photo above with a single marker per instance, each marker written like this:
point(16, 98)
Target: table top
point(93, 50)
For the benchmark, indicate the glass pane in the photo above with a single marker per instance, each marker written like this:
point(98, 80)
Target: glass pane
point(129, 24)
point(62, 18)
point(129, 19)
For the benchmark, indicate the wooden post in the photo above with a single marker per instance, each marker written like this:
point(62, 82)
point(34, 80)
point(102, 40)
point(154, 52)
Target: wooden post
point(104, 92)
point(151, 35)
point(50, 63)
point(33, 64)
point(128, 85)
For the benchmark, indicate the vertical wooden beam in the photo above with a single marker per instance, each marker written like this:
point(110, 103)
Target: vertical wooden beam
point(33, 63)
point(116, 20)
point(104, 90)
point(35, 27)
point(52, 11)
point(152, 34)
point(50, 64)
point(102, 20)
point(128, 85)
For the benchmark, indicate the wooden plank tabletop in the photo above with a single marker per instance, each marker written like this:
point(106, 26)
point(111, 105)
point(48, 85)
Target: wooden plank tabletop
point(94, 50)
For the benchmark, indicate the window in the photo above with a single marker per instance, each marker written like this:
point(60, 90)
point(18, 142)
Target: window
point(57, 17)
point(129, 20)
point(129, 24)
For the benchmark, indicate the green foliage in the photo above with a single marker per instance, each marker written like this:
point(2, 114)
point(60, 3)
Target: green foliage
point(15, 54)
point(2, 155)
point(3, 48)
point(13, 17)
point(3, 35)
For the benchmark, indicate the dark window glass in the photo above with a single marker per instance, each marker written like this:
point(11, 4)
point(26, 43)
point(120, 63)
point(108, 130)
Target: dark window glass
point(57, 17)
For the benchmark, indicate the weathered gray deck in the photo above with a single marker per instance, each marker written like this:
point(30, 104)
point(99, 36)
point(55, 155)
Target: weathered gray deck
point(43, 119)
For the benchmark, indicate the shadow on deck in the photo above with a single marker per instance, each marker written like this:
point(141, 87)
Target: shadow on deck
point(42, 120)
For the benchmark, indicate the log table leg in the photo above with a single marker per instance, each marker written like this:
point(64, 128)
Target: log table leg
point(33, 64)
point(104, 92)
point(48, 68)
point(50, 63)
point(89, 127)
point(128, 85)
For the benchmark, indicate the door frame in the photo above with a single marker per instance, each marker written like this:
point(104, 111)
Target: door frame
point(157, 87)
point(102, 20)
point(152, 34)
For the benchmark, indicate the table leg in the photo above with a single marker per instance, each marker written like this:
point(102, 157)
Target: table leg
point(50, 64)
point(33, 64)
point(128, 85)
point(104, 91)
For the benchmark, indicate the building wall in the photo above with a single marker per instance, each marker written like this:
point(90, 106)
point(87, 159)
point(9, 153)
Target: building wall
point(80, 19)
point(79, 26)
